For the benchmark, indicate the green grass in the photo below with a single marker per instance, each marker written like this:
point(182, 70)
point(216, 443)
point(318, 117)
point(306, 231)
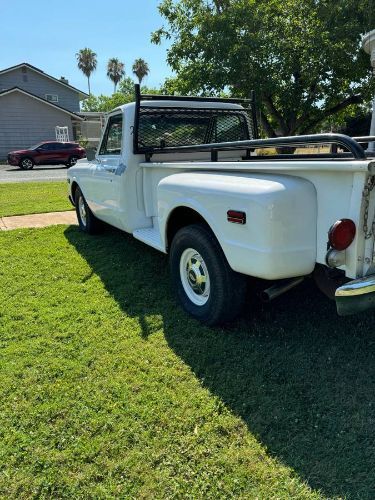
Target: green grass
point(21, 198)
point(108, 390)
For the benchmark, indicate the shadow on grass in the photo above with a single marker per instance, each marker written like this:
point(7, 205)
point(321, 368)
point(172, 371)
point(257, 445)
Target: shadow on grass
point(16, 170)
point(302, 378)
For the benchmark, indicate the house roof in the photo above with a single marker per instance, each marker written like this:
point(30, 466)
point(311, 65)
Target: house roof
point(83, 95)
point(44, 101)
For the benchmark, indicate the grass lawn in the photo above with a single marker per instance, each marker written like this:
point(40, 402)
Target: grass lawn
point(21, 198)
point(109, 390)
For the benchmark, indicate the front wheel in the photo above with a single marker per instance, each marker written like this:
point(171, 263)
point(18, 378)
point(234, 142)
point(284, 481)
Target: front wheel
point(87, 221)
point(206, 286)
point(26, 164)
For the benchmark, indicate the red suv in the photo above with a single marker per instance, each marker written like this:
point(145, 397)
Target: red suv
point(47, 153)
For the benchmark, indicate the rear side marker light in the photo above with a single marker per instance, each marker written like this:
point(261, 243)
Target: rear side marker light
point(236, 217)
point(342, 234)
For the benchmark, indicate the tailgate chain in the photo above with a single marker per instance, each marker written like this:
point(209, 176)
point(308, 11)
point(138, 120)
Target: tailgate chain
point(366, 196)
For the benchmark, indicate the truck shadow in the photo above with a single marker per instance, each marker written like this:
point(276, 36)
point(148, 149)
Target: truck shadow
point(300, 377)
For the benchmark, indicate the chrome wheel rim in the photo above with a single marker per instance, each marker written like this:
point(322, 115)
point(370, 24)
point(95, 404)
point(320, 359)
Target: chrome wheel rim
point(82, 210)
point(73, 161)
point(27, 163)
point(194, 277)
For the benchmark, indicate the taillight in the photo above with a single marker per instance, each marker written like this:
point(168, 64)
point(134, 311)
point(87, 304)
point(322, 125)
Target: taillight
point(342, 234)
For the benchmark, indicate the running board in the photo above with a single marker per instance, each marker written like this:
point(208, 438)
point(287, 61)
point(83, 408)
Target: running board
point(150, 236)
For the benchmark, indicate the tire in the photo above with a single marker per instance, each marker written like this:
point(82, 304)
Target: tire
point(206, 286)
point(72, 161)
point(26, 163)
point(87, 221)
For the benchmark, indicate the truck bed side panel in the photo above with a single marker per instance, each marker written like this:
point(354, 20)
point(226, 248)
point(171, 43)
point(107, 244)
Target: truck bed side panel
point(279, 237)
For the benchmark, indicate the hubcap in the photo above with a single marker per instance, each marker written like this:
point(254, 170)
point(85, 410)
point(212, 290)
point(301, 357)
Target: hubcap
point(82, 210)
point(194, 276)
point(27, 163)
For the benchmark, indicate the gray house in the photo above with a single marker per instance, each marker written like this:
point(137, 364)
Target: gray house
point(32, 104)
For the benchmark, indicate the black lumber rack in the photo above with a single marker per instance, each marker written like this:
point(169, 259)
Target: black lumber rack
point(344, 141)
point(178, 129)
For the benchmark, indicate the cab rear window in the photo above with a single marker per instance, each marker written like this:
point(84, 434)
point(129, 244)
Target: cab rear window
point(172, 127)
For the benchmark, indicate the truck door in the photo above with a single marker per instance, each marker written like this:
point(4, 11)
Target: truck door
point(105, 182)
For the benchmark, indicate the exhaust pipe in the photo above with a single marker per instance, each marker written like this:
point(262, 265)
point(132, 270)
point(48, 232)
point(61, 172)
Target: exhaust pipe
point(279, 288)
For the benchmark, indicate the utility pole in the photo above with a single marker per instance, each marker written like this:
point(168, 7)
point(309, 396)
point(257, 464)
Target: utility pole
point(368, 44)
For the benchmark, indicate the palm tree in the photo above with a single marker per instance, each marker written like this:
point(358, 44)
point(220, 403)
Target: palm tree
point(87, 63)
point(115, 71)
point(140, 69)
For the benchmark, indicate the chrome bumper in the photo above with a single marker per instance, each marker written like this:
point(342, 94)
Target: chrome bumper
point(356, 296)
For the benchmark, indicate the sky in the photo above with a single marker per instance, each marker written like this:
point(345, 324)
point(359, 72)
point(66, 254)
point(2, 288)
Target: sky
point(48, 34)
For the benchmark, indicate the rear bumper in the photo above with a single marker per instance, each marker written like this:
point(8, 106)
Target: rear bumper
point(356, 296)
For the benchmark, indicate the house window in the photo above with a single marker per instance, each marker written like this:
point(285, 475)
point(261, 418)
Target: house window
point(52, 97)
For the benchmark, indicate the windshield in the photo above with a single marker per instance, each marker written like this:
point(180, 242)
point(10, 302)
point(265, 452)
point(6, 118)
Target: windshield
point(36, 145)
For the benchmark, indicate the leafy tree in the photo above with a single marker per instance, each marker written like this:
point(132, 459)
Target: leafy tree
point(140, 69)
point(302, 57)
point(86, 60)
point(126, 86)
point(151, 90)
point(106, 103)
point(124, 96)
point(358, 125)
point(115, 71)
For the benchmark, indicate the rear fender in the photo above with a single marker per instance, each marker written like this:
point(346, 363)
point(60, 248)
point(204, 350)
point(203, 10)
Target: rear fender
point(279, 237)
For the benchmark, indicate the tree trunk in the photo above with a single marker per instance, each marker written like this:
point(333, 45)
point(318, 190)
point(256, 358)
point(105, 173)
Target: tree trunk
point(285, 150)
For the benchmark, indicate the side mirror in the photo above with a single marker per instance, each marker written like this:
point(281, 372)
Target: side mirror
point(90, 154)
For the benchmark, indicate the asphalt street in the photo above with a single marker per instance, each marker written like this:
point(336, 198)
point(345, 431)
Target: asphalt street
point(9, 173)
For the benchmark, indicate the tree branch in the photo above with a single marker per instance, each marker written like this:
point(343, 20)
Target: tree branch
point(267, 127)
point(275, 114)
point(354, 99)
point(307, 104)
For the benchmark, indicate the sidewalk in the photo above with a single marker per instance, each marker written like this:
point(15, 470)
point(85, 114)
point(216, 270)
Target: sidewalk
point(37, 220)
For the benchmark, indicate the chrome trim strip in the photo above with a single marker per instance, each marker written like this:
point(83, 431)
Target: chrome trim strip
point(357, 287)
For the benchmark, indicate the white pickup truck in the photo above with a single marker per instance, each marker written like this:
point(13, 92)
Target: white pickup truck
point(185, 176)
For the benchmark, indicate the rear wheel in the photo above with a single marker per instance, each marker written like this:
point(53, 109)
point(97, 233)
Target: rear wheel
point(26, 163)
point(72, 161)
point(206, 286)
point(86, 219)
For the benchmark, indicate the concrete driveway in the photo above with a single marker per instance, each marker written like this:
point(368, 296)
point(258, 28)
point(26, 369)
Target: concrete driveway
point(9, 173)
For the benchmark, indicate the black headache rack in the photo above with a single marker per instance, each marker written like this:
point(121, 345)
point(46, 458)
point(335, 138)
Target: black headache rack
point(179, 129)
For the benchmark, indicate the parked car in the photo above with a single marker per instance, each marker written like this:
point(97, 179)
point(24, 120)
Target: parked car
point(47, 153)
